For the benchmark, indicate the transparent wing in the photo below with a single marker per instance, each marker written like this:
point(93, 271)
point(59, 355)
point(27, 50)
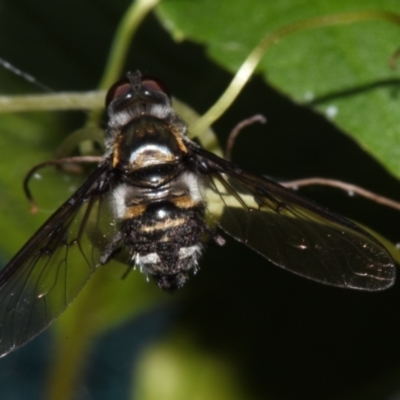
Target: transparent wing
point(292, 231)
point(48, 272)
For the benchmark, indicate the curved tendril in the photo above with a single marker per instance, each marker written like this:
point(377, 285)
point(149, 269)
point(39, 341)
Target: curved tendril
point(247, 68)
point(132, 19)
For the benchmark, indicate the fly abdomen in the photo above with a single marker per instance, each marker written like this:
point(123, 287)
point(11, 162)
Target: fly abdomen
point(165, 241)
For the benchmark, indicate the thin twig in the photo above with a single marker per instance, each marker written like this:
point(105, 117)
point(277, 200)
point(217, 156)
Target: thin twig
point(60, 161)
point(238, 128)
point(348, 187)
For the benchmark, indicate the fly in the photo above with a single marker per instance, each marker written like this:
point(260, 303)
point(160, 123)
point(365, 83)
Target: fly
point(151, 201)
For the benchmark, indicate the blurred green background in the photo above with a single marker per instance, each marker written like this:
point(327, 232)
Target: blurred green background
point(242, 328)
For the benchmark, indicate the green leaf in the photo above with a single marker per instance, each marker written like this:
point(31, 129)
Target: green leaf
point(342, 71)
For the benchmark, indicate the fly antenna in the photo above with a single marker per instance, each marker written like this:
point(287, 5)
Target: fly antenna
point(24, 75)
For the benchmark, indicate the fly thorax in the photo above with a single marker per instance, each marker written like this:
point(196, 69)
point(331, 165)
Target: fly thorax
point(149, 152)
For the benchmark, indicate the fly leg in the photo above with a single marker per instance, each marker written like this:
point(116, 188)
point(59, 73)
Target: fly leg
point(112, 248)
point(218, 239)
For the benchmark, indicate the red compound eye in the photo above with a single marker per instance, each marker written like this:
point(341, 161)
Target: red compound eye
point(120, 88)
point(151, 83)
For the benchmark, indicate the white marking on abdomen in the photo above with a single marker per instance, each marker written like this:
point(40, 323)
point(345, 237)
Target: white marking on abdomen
point(151, 258)
point(186, 252)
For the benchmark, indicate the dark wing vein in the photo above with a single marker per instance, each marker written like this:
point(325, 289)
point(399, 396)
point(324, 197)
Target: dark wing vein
point(48, 272)
point(291, 231)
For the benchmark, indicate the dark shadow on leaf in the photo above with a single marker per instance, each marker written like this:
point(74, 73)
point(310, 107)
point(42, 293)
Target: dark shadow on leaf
point(393, 84)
